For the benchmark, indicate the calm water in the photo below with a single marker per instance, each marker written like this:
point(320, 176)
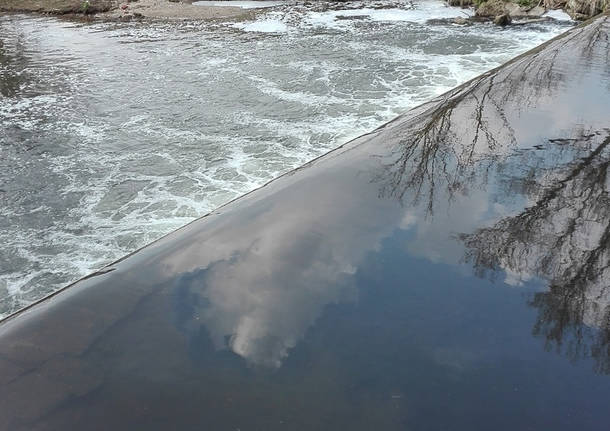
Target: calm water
point(112, 135)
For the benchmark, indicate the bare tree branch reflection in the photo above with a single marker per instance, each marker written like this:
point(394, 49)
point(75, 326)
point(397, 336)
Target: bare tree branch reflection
point(455, 140)
point(453, 144)
point(563, 237)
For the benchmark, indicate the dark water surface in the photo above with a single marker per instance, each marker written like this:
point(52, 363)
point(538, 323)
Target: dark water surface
point(448, 271)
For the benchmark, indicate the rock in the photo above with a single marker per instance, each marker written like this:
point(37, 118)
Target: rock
point(503, 19)
point(584, 9)
point(491, 9)
point(533, 11)
point(350, 17)
point(578, 16)
point(460, 3)
point(554, 4)
point(536, 12)
point(517, 11)
point(514, 10)
point(449, 21)
point(532, 21)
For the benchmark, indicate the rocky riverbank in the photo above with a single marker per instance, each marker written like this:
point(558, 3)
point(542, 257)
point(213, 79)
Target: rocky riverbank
point(501, 11)
point(504, 11)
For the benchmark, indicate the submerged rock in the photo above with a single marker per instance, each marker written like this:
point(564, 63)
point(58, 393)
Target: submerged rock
point(460, 3)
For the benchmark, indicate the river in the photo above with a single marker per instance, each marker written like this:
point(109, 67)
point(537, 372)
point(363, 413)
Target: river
point(114, 134)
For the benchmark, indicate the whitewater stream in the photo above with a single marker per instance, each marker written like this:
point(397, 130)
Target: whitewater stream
point(114, 134)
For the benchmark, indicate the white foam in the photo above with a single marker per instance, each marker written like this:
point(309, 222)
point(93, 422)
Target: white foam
point(558, 15)
point(264, 26)
point(240, 4)
point(418, 13)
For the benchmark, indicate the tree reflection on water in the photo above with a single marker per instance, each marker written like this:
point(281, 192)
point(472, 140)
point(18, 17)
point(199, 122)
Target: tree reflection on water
point(459, 137)
point(497, 126)
point(564, 237)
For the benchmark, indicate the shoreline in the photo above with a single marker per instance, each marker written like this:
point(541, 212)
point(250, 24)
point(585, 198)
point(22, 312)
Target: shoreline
point(502, 12)
point(137, 10)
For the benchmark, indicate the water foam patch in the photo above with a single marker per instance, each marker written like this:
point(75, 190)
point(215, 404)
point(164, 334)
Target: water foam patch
point(241, 4)
point(558, 15)
point(266, 25)
point(345, 17)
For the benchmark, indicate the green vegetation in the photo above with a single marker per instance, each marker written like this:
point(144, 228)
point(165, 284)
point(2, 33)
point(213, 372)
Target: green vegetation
point(526, 3)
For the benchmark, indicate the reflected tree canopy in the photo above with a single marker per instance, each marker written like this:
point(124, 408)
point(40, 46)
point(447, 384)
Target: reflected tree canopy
point(563, 237)
point(453, 142)
point(499, 125)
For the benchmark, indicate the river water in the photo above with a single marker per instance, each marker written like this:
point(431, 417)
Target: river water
point(112, 135)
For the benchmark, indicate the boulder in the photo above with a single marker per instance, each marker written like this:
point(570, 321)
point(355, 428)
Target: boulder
point(496, 9)
point(517, 11)
point(583, 9)
point(491, 9)
point(536, 12)
point(514, 10)
point(503, 19)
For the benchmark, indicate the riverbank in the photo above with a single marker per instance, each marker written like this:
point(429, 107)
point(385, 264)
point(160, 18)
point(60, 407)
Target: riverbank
point(164, 9)
point(123, 11)
point(501, 11)
point(504, 11)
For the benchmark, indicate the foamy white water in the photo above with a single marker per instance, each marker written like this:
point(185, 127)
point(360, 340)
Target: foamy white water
point(558, 15)
point(242, 4)
point(112, 135)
